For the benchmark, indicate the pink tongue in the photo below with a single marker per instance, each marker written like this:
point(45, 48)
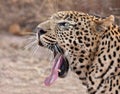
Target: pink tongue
point(54, 72)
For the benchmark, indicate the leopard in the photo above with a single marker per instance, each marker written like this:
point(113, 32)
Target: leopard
point(86, 44)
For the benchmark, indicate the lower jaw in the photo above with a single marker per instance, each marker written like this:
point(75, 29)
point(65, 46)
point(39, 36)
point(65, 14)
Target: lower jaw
point(64, 68)
point(59, 69)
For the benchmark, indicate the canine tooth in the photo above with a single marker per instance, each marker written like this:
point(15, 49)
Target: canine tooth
point(59, 70)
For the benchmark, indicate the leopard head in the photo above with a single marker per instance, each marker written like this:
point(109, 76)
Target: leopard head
point(73, 37)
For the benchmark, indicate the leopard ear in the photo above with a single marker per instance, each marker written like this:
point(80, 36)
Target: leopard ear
point(102, 24)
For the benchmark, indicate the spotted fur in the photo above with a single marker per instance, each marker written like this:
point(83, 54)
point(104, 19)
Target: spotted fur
point(92, 46)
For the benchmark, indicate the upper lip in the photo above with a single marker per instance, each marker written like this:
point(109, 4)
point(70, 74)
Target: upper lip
point(55, 48)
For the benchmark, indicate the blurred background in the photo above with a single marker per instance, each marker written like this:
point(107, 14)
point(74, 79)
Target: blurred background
point(23, 73)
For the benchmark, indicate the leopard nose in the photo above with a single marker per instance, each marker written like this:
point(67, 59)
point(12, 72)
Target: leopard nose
point(40, 31)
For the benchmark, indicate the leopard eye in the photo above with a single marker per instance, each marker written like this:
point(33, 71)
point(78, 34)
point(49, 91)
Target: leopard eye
point(63, 24)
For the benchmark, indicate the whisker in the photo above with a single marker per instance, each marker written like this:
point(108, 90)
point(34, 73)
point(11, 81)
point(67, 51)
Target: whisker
point(32, 37)
point(33, 33)
point(48, 54)
point(27, 41)
point(51, 56)
point(36, 47)
point(30, 45)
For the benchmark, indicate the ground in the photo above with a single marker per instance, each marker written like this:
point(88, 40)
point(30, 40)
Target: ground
point(23, 73)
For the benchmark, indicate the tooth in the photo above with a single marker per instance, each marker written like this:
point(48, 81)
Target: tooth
point(59, 70)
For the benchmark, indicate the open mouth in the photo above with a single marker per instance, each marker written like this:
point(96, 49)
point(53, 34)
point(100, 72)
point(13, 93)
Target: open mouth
point(60, 66)
point(60, 63)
